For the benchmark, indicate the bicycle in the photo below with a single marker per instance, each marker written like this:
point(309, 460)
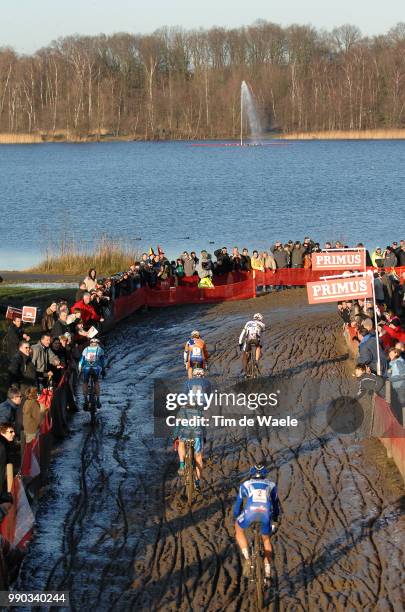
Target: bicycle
point(256, 573)
point(189, 470)
point(252, 368)
point(92, 397)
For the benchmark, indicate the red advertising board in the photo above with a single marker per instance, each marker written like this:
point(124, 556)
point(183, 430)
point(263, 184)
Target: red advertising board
point(339, 260)
point(338, 289)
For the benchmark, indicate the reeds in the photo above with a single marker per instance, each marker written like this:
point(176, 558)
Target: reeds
point(20, 138)
point(383, 134)
point(68, 256)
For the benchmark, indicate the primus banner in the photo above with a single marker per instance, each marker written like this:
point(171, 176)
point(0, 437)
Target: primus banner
point(336, 289)
point(339, 260)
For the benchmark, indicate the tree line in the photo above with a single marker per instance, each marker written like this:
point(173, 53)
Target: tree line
point(186, 84)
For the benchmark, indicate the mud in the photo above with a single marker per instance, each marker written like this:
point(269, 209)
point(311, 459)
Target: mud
point(114, 530)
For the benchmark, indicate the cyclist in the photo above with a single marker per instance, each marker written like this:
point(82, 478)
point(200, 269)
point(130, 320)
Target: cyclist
point(195, 353)
point(195, 432)
point(92, 360)
point(262, 505)
point(250, 336)
point(196, 386)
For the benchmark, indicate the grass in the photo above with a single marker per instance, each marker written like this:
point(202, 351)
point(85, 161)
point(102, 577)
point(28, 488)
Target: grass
point(20, 138)
point(69, 257)
point(18, 296)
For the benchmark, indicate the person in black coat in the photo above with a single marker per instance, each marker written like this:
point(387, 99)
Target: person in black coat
point(21, 370)
point(7, 455)
point(15, 334)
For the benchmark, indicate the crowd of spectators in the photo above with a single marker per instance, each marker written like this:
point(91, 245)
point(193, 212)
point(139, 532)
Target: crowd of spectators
point(381, 344)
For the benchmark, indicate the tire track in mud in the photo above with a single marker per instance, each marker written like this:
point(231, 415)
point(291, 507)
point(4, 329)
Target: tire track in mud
point(130, 543)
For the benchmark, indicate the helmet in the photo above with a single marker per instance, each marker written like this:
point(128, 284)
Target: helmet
point(258, 317)
point(258, 471)
point(195, 334)
point(198, 373)
point(94, 341)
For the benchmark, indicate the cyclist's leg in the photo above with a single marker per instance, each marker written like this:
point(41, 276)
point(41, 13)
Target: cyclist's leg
point(242, 523)
point(86, 372)
point(96, 375)
point(258, 352)
point(181, 451)
point(245, 351)
point(266, 530)
point(198, 457)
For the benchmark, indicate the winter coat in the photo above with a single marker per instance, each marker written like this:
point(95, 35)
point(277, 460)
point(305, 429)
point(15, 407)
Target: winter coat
point(48, 320)
point(281, 258)
point(43, 358)
point(22, 371)
point(90, 283)
point(13, 338)
point(32, 417)
point(368, 354)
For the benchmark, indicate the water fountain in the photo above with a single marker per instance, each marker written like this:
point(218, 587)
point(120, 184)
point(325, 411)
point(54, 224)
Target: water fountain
point(248, 109)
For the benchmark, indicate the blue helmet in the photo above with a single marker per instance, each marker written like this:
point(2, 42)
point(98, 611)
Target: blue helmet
point(258, 471)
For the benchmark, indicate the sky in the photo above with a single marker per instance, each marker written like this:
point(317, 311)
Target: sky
point(27, 25)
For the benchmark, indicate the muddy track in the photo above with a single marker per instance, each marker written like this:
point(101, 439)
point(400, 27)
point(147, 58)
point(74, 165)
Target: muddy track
point(114, 528)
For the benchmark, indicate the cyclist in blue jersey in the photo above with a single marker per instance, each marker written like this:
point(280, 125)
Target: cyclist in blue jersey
point(185, 431)
point(262, 505)
point(92, 360)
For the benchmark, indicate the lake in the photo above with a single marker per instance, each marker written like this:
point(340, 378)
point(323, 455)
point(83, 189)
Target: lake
point(186, 197)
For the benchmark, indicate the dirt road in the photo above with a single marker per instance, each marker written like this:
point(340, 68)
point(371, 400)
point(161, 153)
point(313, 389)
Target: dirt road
point(113, 528)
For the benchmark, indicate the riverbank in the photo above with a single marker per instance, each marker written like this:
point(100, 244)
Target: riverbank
point(382, 134)
point(63, 136)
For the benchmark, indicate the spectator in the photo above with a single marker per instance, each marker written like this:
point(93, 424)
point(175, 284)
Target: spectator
point(15, 334)
point(256, 262)
point(368, 382)
point(236, 260)
point(396, 373)
point(297, 255)
point(10, 410)
point(268, 261)
point(81, 291)
point(60, 326)
point(204, 267)
point(32, 415)
point(377, 258)
point(280, 256)
point(390, 259)
point(188, 264)
point(49, 317)
point(43, 358)
point(224, 263)
point(179, 269)
point(245, 260)
point(21, 369)
point(368, 354)
point(87, 313)
point(91, 280)
point(7, 435)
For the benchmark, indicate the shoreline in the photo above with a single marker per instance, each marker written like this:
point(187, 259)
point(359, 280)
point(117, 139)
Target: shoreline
point(374, 134)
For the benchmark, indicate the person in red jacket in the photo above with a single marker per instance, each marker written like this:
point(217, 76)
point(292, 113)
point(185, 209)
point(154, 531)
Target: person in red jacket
point(87, 313)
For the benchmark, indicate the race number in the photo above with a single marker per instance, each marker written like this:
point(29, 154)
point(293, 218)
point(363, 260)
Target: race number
point(259, 496)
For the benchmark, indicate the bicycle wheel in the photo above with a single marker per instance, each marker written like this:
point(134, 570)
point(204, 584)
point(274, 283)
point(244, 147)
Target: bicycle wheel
point(92, 399)
point(189, 472)
point(259, 571)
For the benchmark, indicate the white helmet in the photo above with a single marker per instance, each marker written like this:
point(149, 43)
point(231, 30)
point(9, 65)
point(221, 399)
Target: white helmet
point(198, 373)
point(258, 317)
point(94, 341)
point(195, 334)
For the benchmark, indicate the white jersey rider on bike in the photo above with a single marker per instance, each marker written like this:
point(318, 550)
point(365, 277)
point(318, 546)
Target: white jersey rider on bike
point(251, 335)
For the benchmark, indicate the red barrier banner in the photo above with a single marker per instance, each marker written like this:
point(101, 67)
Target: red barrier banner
point(337, 289)
point(339, 260)
point(16, 527)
